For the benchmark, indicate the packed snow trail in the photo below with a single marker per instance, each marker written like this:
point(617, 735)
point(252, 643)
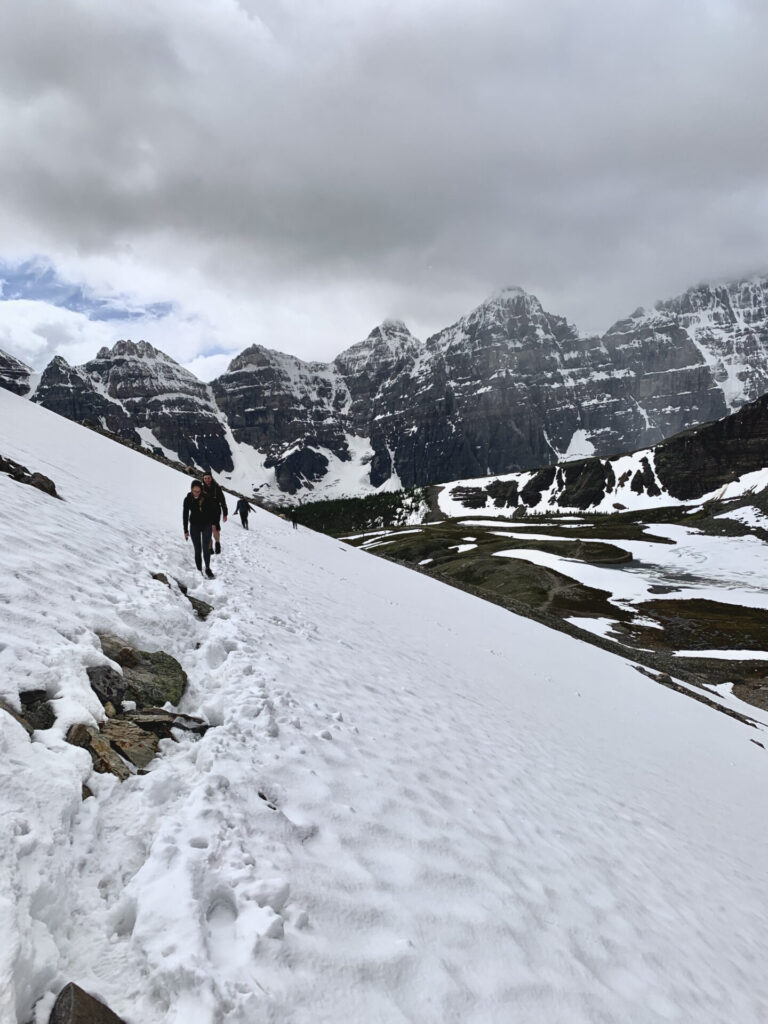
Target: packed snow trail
point(412, 805)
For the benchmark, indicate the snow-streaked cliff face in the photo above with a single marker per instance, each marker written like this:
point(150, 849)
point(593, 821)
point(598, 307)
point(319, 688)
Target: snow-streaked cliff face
point(143, 395)
point(14, 375)
point(715, 461)
point(728, 324)
point(509, 387)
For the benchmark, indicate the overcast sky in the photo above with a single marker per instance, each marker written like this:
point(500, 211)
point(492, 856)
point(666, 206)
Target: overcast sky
point(207, 174)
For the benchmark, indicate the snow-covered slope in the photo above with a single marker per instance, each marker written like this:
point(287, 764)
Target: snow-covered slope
point(475, 819)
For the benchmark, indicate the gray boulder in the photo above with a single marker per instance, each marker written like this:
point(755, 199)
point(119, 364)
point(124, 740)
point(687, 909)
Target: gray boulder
point(149, 677)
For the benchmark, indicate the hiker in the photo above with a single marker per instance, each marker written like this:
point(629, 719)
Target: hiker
point(214, 491)
point(199, 515)
point(293, 518)
point(243, 508)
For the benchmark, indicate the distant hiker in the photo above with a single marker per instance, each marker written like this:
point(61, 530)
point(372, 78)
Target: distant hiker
point(243, 508)
point(199, 515)
point(293, 518)
point(214, 491)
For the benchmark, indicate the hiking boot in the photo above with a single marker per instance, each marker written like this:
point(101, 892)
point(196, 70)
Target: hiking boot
point(218, 548)
point(208, 573)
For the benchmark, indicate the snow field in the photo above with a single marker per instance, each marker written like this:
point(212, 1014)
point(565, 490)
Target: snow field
point(732, 570)
point(473, 819)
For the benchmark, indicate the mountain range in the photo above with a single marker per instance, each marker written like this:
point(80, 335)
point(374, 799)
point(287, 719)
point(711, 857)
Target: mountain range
point(508, 388)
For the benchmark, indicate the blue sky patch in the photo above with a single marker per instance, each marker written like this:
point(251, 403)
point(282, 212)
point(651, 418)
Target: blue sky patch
point(37, 280)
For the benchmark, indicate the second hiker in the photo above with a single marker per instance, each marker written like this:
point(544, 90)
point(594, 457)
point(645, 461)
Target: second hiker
point(212, 490)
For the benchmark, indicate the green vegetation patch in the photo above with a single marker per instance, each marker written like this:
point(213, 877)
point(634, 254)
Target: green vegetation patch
point(694, 624)
point(357, 515)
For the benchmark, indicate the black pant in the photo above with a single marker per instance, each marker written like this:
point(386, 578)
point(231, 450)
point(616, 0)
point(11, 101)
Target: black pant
point(201, 537)
point(244, 519)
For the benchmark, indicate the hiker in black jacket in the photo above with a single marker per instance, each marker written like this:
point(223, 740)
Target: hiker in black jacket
point(199, 515)
point(214, 491)
point(243, 508)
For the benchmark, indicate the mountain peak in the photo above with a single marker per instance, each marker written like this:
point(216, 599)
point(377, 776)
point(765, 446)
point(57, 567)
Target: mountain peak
point(511, 298)
point(392, 326)
point(137, 349)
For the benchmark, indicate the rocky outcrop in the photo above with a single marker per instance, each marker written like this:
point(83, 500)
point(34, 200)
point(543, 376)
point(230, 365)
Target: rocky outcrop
point(14, 375)
point(22, 475)
point(701, 460)
point(697, 462)
point(129, 738)
point(75, 1006)
point(147, 677)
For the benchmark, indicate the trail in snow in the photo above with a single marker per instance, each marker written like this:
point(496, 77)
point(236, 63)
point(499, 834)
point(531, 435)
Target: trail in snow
point(475, 819)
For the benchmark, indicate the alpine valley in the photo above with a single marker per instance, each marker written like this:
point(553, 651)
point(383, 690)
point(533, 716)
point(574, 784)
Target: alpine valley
point(508, 388)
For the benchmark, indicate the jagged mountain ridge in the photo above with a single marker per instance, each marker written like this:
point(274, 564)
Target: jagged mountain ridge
point(141, 394)
point(509, 387)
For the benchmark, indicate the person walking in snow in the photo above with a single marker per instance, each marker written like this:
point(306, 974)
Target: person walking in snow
point(293, 518)
point(243, 508)
point(215, 493)
point(199, 514)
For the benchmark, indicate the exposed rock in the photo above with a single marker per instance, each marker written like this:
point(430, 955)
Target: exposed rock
point(4, 706)
point(161, 577)
point(14, 375)
point(23, 476)
point(161, 722)
point(36, 709)
point(135, 744)
point(703, 459)
point(105, 759)
point(202, 608)
point(131, 738)
point(149, 677)
point(108, 685)
point(690, 465)
point(74, 1006)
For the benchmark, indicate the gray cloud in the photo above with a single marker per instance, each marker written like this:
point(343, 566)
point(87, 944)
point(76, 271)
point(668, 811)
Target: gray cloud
point(415, 155)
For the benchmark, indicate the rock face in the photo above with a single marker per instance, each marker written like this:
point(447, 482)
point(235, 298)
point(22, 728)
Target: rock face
point(22, 475)
point(139, 393)
point(14, 375)
point(507, 388)
point(697, 462)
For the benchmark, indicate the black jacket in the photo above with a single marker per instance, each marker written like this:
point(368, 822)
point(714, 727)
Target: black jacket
point(217, 496)
point(200, 511)
point(242, 507)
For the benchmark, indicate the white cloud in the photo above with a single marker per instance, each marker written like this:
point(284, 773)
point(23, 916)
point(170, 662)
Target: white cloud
point(289, 173)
